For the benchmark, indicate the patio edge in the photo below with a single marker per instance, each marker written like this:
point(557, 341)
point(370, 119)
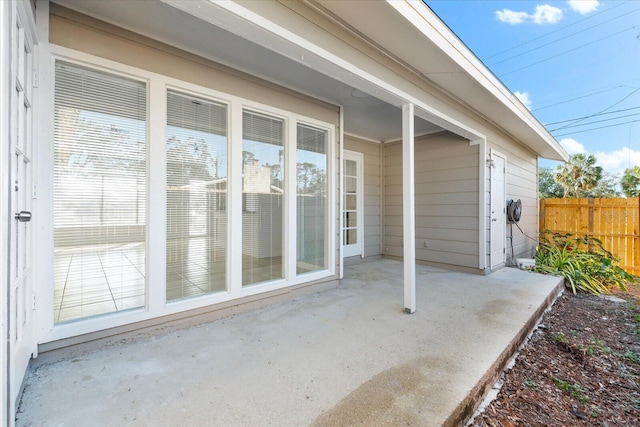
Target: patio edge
point(466, 409)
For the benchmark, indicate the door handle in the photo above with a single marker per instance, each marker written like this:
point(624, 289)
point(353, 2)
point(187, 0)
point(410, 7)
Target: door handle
point(23, 216)
point(494, 219)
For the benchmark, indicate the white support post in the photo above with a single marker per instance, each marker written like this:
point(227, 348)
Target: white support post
point(408, 208)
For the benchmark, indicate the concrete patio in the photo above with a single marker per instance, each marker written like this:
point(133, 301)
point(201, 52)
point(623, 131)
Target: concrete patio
point(345, 356)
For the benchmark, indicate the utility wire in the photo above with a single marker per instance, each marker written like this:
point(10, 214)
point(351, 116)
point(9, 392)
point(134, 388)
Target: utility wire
point(601, 127)
point(594, 122)
point(593, 115)
point(565, 52)
point(604, 89)
point(555, 31)
point(599, 112)
point(562, 39)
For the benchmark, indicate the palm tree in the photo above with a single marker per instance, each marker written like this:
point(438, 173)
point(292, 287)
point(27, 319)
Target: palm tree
point(579, 175)
point(630, 182)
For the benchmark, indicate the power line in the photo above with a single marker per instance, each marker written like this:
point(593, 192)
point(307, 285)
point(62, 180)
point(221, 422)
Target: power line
point(595, 121)
point(562, 39)
point(593, 115)
point(601, 127)
point(555, 31)
point(604, 89)
point(566, 51)
point(601, 111)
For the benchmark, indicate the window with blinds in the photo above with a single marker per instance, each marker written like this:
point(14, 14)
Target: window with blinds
point(311, 199)
point(196, 150)
point(99, 192)
point(263, 159)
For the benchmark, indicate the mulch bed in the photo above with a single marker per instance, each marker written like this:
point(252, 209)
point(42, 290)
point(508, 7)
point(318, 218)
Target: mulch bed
point(581, 367)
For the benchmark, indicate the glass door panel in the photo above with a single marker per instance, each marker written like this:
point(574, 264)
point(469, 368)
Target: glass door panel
point(352, 204)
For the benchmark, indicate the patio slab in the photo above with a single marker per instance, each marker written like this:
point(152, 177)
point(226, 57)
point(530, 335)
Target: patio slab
point(346, 356)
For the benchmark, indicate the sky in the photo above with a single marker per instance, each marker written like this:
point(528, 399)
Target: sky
point(574, 64)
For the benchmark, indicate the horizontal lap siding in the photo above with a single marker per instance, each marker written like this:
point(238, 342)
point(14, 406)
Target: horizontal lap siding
point(372, 199)
point(446, 198)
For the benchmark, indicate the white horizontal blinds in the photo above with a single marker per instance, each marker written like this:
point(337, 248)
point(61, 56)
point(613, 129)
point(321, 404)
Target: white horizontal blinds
point(263, 180)
point(99, 192)
point(196, 151)
point(311, 199)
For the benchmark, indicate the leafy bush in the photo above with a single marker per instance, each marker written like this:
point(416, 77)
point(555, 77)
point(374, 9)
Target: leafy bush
point(584, 263)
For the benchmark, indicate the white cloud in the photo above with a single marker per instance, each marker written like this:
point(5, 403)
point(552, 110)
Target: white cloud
point(546, 14)
point(572, 146)
point(511, 17)
point(584, 6)
point(543, 14)
point(615, 162)
point(612, 162)
point(524, 98)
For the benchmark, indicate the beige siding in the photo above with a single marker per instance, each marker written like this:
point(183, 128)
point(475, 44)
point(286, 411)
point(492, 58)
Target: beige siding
point(372, 194)
point(446, 170)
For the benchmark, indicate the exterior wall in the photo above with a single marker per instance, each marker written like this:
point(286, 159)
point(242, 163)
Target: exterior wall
point(446, 169)
point(372, 192)
point(71, 30)
point(522, 183)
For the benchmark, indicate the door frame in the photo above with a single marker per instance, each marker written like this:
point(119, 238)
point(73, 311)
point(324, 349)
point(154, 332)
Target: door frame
point(499, 219)
point(358, 248)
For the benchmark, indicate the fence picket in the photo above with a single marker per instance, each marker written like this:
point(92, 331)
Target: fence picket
point(614, 221)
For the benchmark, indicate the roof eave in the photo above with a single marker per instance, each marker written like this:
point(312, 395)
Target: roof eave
point(534, 135)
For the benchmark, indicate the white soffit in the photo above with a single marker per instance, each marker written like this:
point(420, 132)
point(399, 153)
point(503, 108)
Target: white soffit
point(365, 115)
point(244, 22)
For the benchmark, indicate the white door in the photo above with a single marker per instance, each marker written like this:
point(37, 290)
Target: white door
point(352, 223)
point(498, 209)
point(21, 299)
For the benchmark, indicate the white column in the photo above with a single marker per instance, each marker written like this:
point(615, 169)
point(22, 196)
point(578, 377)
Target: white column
point(408, 208)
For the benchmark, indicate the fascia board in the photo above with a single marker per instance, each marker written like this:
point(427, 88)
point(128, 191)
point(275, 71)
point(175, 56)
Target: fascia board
point(415, 12)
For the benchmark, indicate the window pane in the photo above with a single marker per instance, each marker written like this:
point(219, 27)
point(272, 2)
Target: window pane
point(350, 236)
point(311, 199)
point(350, 168)
point(196, 196)
point(350, 184)
point(351, 219)
point(262, 190)
point(351, 201)
point(99, 192)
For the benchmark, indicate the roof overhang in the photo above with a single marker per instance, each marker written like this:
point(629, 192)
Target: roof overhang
point(404, 35)
point(414, 35)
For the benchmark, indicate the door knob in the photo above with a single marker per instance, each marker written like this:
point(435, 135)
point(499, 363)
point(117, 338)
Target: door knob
point(23, 216)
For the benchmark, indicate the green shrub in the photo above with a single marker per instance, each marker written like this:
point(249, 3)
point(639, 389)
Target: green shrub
point(584, 263)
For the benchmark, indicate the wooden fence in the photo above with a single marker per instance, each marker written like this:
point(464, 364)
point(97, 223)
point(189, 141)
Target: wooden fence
point(614, 221)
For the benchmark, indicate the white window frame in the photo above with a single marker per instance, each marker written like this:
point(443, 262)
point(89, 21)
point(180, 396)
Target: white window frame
point(157, 87)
